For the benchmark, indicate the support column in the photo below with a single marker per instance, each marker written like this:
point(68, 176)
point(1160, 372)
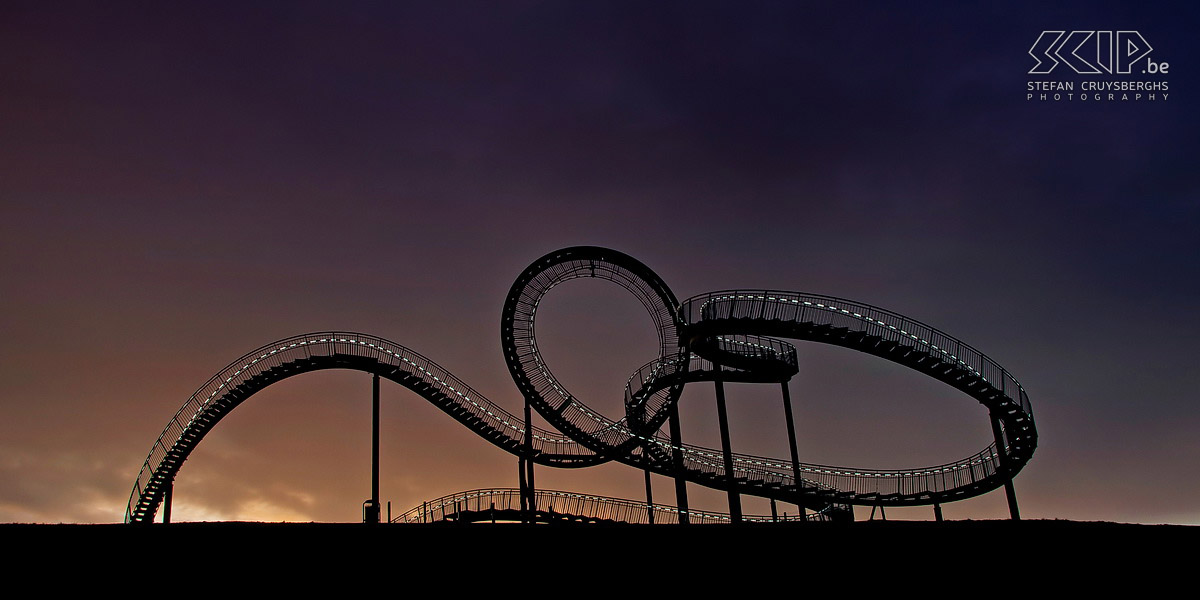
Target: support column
point(735, 500)
point(167, 501)
point(649, 499)
point(937, 512)
point(532, 489)
point(681, 499)
point(1009, 491)
point(791, 427)
point(371, 506)
point(528, 503)
point(375, 441)
point(523, 489)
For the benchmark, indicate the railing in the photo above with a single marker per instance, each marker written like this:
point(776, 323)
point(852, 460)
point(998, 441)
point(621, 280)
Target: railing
point(482, 503)
point(650, 390)
point(823, 310)
point(769, 353)
point(203, 403)
point(759, 471)
point(653, 387)
point(535, 379)
point(768, 305)
point(764, 306)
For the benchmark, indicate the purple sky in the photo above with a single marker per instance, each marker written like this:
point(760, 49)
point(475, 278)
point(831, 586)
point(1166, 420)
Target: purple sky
point(179, 186)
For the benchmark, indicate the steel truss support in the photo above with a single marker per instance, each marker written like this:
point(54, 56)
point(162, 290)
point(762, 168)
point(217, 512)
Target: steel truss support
point(726, 323)
point(1009, 491)
point(735, 499)
point(371, 507)
point(791, 427)
point(522, 489)
point(525, 464)
point(167, 501)
point(375, 442)
point(649, 499)
point(681, 499)
point(532, 491)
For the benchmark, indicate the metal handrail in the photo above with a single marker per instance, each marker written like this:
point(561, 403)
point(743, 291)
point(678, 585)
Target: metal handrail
point(903, 327)
point(327, 344)
point(589, 436)
point(604, 508)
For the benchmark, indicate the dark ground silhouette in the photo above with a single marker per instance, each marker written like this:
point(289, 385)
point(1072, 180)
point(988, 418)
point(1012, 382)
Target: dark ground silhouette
point(764, 555)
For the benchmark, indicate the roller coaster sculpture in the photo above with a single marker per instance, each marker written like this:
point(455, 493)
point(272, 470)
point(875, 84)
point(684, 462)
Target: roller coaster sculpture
point(725, 336)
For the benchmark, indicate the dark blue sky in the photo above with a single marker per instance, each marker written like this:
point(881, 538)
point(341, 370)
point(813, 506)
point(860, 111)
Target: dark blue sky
point(179, 185)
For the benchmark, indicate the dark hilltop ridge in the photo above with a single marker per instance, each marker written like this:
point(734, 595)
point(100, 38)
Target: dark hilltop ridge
point(841, 547)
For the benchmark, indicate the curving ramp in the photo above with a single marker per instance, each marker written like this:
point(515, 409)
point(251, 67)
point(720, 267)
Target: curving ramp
point(734, 335)
point(503, 504)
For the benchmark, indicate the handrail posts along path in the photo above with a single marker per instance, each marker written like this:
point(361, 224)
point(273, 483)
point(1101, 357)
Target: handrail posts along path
point(722, 336)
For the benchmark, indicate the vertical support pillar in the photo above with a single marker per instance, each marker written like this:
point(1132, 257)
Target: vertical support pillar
point(735, 500)
point(528, 504)
point(371, 506)
point(774, 511)
point(166, 518)
point(681, 499)
point(1009, 491)
point(532, 489)
point(649, 499)
point(523, 487)
point(937, 512)
point(791, 428)
point(375, 439)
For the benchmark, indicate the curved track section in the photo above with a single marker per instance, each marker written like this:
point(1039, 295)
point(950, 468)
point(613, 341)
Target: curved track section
point(731, 333)
point(504, 504)
point(538, 384)
point(334, 350)
point(901, 340)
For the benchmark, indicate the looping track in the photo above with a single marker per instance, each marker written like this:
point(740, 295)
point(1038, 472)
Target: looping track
point(734, 333)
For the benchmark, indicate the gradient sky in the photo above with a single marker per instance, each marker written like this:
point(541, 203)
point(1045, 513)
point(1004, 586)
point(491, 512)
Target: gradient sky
point(180, 185)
